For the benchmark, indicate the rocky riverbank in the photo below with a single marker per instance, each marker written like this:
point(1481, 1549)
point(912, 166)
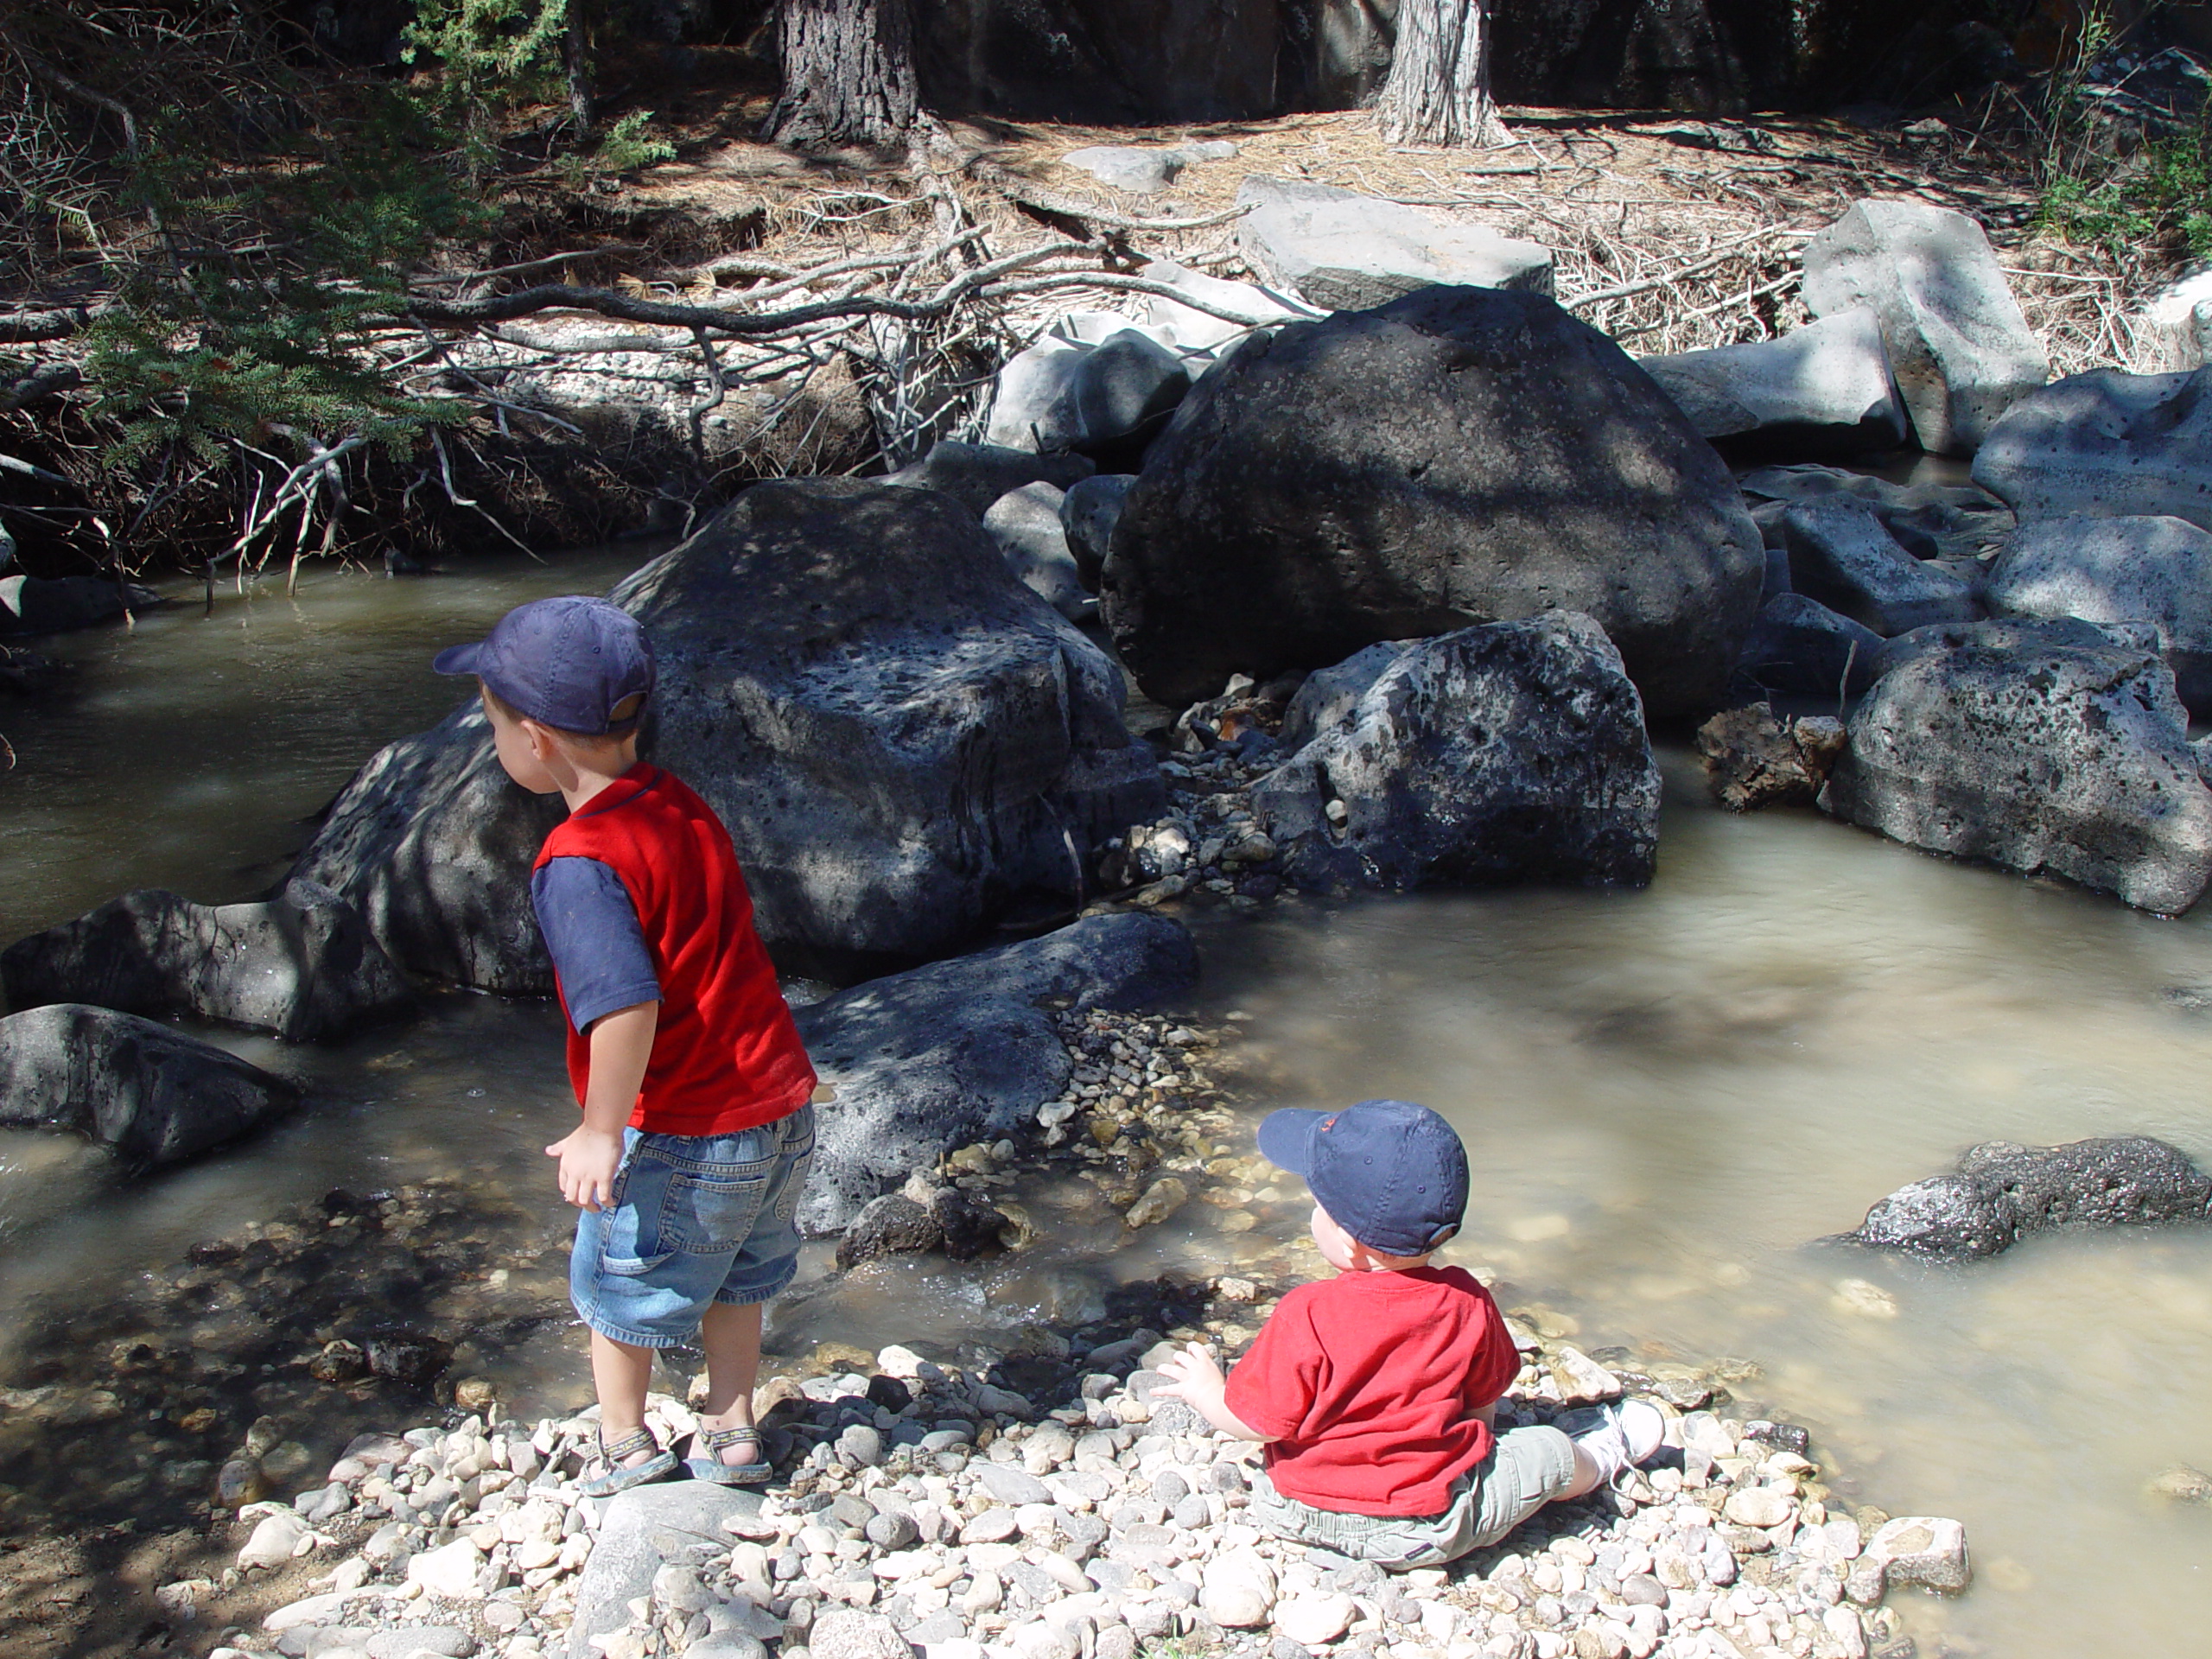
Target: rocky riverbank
point(1048, 1503)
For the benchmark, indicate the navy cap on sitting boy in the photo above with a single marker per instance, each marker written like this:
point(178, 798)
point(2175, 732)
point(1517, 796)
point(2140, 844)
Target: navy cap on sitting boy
point(1391, 1174)
point(569, 663)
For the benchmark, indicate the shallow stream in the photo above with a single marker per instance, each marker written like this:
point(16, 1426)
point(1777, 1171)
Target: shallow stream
point(1666, 1095)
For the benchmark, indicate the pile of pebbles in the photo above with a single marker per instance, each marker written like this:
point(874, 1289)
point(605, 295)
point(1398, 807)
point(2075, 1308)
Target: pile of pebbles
point(927, 1507)
point(1209, 847)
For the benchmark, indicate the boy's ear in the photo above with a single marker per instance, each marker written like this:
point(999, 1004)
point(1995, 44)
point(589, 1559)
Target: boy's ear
point(544, 746)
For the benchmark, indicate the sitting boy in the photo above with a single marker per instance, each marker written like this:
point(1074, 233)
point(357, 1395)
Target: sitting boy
point(697, 1128)
point(1374, 1391)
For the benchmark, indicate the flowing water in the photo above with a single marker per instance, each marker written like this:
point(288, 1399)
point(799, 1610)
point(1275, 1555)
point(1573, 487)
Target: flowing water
point(1666, 1096)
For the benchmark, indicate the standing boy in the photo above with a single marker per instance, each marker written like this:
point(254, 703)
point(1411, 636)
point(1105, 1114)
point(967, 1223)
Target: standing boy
point(697, 1129)
point(1375, 1391)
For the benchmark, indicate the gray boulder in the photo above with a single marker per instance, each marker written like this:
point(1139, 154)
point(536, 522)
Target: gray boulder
point(2069, 760)
point(1033, 403)
point(1459, 457)
point(62, 604)
point(1124, 167)
point(2106, 444)
point(977, 475)
point(928, 1061)
point(902, 739)
point(2154, 570)
point(1126, 389)
point(1024, 525)
point(640, 1531)
point(1960, 349)
point(2015, 634)
point(1801, 647)
point(1506, 753)
point(152, 1095)
point(1999, 1193)
point(1350, 252)
point(1841, 555)
point(1824, 389)
point(1089, 512)
point(1930, 521)
point(303, 964)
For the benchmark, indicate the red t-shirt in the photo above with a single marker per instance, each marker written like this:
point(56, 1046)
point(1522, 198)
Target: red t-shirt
point(1366, 1380)
point(727, 1054)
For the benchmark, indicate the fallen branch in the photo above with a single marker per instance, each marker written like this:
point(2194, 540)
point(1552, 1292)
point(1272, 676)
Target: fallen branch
point(1030, 194)
point(29, 327)
point(1718, 257)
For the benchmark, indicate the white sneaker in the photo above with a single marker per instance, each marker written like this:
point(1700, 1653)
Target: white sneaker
point(1618, 1438)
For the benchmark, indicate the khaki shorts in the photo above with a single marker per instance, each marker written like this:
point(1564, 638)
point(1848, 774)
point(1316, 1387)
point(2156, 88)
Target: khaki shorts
point(1526, 1469)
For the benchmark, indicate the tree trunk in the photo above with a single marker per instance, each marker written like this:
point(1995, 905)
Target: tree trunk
point(1439, 89)
point(575, 60)
point(849, 72)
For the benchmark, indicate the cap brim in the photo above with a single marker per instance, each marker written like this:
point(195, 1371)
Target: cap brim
point(458, 659)
point(1286, 1138)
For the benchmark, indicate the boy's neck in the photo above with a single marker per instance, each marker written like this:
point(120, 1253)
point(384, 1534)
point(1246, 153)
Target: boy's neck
point(582, 781)
point(1365, 1262)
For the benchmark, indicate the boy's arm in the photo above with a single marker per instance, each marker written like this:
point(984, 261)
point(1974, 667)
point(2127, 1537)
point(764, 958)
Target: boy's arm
point(1194, 1378)
point(621, 1044)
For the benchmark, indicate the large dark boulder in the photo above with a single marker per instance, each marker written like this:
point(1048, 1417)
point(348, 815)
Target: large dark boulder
point(1459, 456)
point(905, 742)
point(2036, 756)
point(303, 964)
point(152, 1095)
point(1506, 753)
point(2000, 1192)
point(927, 1061)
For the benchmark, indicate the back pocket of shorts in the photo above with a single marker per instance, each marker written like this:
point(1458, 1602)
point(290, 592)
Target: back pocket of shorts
point(706, 1215)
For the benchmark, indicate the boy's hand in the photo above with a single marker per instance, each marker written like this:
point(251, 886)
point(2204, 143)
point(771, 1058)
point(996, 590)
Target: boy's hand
point(588, 1159)
point(1193, 1376)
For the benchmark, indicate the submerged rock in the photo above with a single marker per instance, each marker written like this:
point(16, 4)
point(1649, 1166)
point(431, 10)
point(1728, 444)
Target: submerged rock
point(2107, 444)
point(931, 1059)
point(303, 964)
point(1841, 555)
point(1459, 457)
point(1962, 350)
point(152, 1095)
point(1511, 753)
point(62, 604)
point(902, 739)
point(2053, 758)
point(2000, 1192)
point(1801, 645)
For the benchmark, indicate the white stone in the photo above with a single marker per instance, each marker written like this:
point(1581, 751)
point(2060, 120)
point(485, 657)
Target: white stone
point(2175, 331)
point(275, 1540)
point(451, 1571)
point(1827, 387)
point(1340, 249)
point(1124, 167)
point(1314, 1619)
point(1193, 330)
point(1923, 1549)
point(1237, 1590)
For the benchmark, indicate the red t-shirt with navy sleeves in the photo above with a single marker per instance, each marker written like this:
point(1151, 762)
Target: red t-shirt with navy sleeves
point(726, 1054)
point(1366, 1381)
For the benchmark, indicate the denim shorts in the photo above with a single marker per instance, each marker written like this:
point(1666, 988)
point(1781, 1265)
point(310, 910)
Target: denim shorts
point(696, 1219)
point(1526, 1469)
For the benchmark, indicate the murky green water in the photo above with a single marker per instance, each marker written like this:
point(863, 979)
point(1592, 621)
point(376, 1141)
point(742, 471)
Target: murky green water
point(1666, 1094)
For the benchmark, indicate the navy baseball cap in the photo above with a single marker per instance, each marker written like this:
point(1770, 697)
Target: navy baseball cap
point(1389, 1173)
point(567, 663)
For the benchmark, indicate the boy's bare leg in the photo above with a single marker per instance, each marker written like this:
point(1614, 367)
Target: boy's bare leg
point(620, 1374)
point(730, 1333)
point(1588, 1476)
